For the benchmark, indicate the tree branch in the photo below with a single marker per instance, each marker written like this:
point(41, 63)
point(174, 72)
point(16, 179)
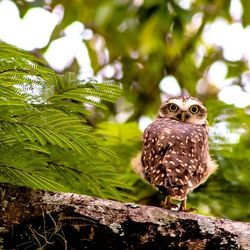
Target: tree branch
point(36, 219)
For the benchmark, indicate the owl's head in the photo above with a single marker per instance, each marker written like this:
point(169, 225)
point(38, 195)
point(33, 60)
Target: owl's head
point(184, 109)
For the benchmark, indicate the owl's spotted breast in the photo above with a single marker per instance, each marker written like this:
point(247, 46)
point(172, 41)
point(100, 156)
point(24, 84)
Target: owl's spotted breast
point(174, 156)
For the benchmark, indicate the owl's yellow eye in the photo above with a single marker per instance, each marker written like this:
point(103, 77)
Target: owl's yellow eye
point(173, 107)
point(194, 109)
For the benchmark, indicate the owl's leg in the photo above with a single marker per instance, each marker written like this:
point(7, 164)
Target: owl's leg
point(168, 203)
point(183, 206)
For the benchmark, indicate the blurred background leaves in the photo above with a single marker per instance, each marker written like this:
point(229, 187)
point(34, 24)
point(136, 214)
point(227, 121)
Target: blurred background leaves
point(156, 49)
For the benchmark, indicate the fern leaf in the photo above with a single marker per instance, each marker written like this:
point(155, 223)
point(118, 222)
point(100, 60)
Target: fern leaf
point(13, 174)
point(45, 141)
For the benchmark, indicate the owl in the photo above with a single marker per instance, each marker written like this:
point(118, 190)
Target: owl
point(175, 157)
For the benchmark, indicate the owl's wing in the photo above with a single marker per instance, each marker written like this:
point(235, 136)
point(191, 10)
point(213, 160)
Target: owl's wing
point(173, 157)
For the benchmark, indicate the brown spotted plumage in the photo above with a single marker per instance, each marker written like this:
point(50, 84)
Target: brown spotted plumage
point(175, 157)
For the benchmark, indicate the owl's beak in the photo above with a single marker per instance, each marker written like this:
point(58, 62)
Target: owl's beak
point(183, 116)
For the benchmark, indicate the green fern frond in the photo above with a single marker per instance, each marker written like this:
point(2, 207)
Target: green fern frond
point(10, 93)
point(14, 175)
point(45, 140)
point(22, 70)
point(14, 59)
point(46, 135)
point(27, 75)
point(89, 92)
point(35, 147)
point(92, 180)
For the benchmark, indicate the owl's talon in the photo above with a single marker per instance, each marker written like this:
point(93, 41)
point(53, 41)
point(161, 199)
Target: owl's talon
point(184, 209)
point(191, 209)
point(169, 206)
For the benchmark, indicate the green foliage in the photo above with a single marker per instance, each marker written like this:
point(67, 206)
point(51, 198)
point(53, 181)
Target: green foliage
point(45, 139)
point(124, 140)
point(227, 191)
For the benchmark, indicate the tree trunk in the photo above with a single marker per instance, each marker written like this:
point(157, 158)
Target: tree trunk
point(36, 219)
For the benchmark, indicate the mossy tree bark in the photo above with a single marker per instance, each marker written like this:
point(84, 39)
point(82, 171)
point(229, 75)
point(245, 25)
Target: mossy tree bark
point(36, 219)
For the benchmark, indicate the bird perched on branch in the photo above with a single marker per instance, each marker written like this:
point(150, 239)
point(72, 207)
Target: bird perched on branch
point(175, 157)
